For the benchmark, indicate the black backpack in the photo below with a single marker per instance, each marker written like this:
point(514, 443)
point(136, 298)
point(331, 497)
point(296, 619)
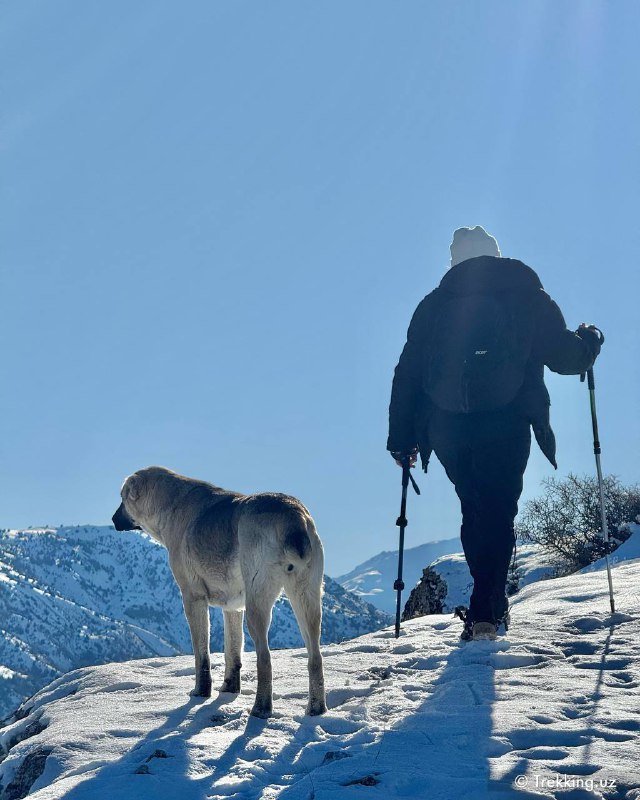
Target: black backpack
point(477, 350)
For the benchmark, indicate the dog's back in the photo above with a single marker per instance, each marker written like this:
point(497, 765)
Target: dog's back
point(282, 524)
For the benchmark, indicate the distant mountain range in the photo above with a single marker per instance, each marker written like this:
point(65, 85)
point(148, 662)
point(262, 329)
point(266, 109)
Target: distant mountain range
point(75, 596)
point(373, 580)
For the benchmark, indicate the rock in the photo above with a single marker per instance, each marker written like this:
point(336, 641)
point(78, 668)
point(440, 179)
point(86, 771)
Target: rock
point(27, 774)
point(427, 596)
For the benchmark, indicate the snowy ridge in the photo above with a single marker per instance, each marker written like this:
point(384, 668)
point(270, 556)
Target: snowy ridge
point(89, 595)
point(373, 579)
point(552, 710)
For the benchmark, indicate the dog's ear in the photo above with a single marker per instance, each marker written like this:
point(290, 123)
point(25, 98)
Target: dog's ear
point(131, 488)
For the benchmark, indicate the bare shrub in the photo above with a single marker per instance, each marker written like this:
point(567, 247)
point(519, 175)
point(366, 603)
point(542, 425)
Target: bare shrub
point(565, 519)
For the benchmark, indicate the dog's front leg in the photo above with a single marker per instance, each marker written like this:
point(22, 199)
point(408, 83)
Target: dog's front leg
point(233, 641)
point(197, 611)
point(258, 621)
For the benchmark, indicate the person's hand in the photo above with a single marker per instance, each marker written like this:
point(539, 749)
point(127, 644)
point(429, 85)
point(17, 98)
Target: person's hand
point(399, 457)
point(592, 337)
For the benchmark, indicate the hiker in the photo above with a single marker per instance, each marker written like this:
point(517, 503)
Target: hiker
point(469, 386)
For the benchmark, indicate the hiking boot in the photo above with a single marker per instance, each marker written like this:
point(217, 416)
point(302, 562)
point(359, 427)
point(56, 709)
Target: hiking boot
point(483, 631)
point(476, 630)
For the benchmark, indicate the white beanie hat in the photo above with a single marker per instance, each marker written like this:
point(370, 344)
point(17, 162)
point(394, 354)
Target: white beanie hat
point(472, 242)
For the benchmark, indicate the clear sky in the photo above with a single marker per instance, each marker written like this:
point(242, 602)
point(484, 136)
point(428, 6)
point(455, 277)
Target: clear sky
point(218, 217)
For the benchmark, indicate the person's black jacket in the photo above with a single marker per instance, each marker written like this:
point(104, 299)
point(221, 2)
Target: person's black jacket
point(554, 346)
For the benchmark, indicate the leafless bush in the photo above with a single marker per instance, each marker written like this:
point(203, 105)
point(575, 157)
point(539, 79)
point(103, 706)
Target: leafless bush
point(565, 519)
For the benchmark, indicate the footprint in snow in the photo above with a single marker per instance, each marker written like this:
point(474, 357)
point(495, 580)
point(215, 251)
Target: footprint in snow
point(543, 651)
point(364, 648)
point(623, 680)
point(587, 624)
point(576, 713)
point(542, 719)
point(401, 649)
point(604, 664)
point(433, 662)
point(338, 697)
point(183, 672)
point(549, 737)
point(336, 726)
point(551, 753)
point(120, 687)
point(377, 673)
point(608, 736)
point(577, 769)
point(217, 720)
point(580, 648)
point(594, 623)
point(626, 724)
point(580, 598)
point(511, 660)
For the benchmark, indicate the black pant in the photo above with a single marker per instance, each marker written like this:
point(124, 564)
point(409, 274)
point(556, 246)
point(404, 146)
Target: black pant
point(485, 455)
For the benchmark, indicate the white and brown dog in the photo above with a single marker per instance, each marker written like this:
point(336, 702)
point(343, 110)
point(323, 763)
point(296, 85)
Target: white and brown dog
point(238, 552)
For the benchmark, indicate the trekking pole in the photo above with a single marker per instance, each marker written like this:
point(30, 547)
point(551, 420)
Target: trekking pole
point(402, 523)
point(596, 451)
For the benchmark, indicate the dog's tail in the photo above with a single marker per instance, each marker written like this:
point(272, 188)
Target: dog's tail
point(297, 542)
point(303, 553)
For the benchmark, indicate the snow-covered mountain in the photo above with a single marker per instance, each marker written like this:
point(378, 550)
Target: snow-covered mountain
point(549, 711)
point(88, 595)
point(373, 579)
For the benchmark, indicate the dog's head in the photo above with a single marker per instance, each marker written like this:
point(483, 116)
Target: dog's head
point(140, 505)
point(123, 519)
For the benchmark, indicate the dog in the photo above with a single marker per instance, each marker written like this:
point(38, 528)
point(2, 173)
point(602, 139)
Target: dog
point(238, 552)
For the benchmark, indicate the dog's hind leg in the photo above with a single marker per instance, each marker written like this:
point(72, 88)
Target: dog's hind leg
point(306, 601)
point(261, 595)
point(233, 641)
point(196, 609)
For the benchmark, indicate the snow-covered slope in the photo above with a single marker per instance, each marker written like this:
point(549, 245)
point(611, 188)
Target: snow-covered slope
point(552, 710)
point(627, 551)
point(88, 595)
point(373, 580)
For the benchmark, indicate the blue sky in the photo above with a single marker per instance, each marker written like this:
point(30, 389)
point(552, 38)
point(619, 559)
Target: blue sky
point(217, 219)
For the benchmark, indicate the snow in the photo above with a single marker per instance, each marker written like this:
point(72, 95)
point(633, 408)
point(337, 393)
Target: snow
point(551, 710)
point(625, 552)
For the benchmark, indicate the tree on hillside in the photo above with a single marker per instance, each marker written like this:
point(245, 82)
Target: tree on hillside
point(565, 519)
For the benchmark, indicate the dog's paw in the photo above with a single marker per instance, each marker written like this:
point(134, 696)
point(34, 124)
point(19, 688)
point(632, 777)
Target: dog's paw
point(262, 710)
point(316, 707)
point(232, 686)
point(201, 691)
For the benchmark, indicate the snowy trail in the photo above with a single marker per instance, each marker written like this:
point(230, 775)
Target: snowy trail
point(423, 716)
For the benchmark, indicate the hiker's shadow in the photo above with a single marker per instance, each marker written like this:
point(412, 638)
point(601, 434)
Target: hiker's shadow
point(443, 747)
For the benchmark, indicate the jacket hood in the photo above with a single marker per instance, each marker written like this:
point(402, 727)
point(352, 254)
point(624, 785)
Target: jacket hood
point(490, 274)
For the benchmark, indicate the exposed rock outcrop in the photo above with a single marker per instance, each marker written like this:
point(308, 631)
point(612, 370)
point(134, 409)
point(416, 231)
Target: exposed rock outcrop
point(427, 596)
